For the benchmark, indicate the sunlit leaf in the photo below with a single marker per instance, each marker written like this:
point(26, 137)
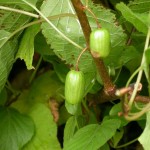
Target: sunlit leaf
point(45, 137)
point(93, 136)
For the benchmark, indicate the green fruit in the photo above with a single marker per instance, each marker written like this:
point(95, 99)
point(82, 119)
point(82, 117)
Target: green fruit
point(100, 43)
point(74, 87)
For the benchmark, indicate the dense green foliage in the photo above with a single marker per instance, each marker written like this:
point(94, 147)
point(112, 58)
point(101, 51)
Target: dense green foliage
point(40, 42)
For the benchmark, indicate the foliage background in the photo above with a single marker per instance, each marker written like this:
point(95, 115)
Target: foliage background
point(27, 90)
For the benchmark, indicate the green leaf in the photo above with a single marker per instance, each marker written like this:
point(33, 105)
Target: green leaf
point(93, 136)
point(18, 3)
point(70, 129)
point(140, 6)
point(73, 109)
point(41, 45)
point(45, 137)
point(105, 147)
point(147, 54)
point(63, 115)
point(73, 124)
point(131, 58)
point(43, 88)
point(26, 48)
point(61, 70)
point(117, 108)
point(144, 139)
point(3, 96)
point(135, 18)
point(34, 103)
point(3, 36)
point(11, 21)
point(7, 53)
point(117, 137)
point(15, 129)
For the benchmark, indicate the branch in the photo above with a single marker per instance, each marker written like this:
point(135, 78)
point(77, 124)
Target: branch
point(109, 87)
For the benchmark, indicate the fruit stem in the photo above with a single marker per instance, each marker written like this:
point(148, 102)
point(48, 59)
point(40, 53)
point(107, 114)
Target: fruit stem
point(90, 11)
point(78, 59)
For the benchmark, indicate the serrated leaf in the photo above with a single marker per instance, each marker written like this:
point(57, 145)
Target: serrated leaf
point(7, 53)
point(144, 139)
point(46, 129)
point(18, 3)
point(41, 45)
point(15, 129)
point(93, 136)
point(140, 6)
point(11, 21)
point(26, 48)
point(135, 18)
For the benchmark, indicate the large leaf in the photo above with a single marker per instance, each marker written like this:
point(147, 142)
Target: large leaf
point(26, 48)
point(140, 6)
point(144, 139)
point(46, 129)
point(34, 102)
point(3, 36)
point(11, 21)
point(7, 53)
point(93, 136)
point(18, 3)
point(42, 89)
point(15, 129)
point(140, 21)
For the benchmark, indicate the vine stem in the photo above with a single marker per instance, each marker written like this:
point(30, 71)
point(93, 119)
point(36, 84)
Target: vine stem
point(52, 25)
point(135, 116)
point(20, 11)
point(126, 144)
point(33, 23)
point(140, 72)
